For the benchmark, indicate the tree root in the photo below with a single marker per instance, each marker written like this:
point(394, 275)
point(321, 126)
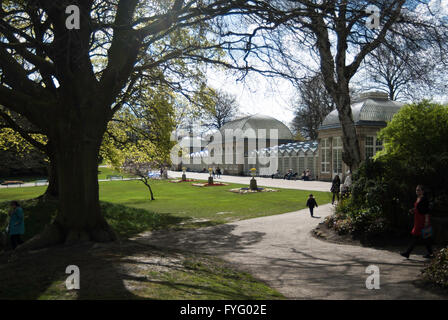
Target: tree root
point(54, 235)
point(51, 236)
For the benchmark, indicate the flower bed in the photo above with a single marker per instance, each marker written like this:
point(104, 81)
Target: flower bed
point(179, 181)
point(215, 184)
point(248, 190)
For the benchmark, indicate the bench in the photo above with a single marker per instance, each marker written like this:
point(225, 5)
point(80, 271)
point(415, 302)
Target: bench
point(12, 182)
point(38, 182)
point(114, 177)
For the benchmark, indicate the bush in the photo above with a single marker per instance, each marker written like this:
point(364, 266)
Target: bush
point(349, 218)
point(437, 270)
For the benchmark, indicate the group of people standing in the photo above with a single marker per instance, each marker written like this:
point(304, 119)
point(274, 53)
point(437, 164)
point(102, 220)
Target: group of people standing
point(217, 173)
point(337, 189)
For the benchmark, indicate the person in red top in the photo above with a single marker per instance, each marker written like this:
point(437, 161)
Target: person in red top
point(421, 220)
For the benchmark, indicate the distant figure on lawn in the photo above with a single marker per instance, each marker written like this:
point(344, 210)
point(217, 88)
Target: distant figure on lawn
point(16, 225)
point(311, 203)
point(335, 188)
point(422, 231)
point(218, 173)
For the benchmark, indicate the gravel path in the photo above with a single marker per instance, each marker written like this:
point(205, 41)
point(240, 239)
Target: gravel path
point(281, 251)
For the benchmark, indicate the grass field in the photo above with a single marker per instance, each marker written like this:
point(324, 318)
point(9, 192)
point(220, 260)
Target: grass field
point(128, 270)
point(127, 206)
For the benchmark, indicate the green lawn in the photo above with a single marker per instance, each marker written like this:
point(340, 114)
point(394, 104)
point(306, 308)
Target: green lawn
point(127, 206)
point(139, 272)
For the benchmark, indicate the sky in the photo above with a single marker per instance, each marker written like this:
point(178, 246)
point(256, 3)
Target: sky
point(258, 94)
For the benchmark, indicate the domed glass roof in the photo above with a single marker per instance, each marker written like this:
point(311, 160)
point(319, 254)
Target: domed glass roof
point(369, 108)
point(259, 121)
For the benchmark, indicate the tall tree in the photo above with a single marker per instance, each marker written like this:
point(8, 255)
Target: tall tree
point(313, 105)
point(340, 34)
point(410, 76)
point(221, 108)
point(65, 75)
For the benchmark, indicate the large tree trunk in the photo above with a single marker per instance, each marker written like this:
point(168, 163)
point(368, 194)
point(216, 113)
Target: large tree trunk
point(79, 217)
point(351, 154)
point(52, 191)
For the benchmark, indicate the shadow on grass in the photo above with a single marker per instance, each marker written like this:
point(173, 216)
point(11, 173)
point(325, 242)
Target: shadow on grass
point(126, 270)
point(215, 240)
point(126, 221)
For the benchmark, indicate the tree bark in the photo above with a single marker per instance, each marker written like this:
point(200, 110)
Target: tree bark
point(79, 217)
point(351, 154)
point(52, 189)
point(149, 188)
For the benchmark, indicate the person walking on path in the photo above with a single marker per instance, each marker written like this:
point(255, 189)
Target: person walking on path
point(335, 188)
point(16, 225)
point(421, 221)
point(311, 203)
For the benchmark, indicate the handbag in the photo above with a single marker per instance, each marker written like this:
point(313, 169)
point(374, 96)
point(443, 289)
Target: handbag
point(426, 232)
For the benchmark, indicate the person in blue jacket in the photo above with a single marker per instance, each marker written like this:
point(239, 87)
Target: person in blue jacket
point(16, 224)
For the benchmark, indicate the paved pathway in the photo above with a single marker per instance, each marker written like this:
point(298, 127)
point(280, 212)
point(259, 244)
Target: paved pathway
point(280, 250)
point(38, 184)
point(261, 182)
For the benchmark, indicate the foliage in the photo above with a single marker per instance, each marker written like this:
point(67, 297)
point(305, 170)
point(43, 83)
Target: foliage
point(359, 222)
point(437, 270)
point(416, 151)
point(383, 190)
point(141, 132)
point(17, 155)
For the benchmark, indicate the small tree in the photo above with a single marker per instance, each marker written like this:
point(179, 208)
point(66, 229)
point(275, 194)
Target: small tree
point(142, 170)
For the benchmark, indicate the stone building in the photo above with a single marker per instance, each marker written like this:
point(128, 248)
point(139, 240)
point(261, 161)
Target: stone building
point(230, 148)
point(295, 156)
point(371, 112)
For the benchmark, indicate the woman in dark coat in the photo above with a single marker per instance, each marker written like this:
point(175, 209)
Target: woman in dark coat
point(335, 188)
point(421, 221)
